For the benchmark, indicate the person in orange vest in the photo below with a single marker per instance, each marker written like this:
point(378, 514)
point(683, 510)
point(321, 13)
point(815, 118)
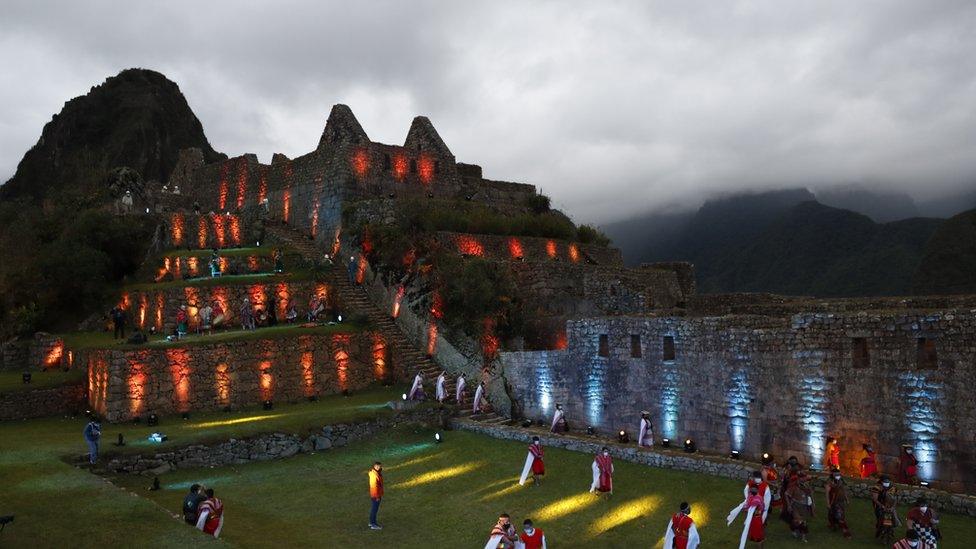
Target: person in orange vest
point(869, 466)
point(532, 537)
point(375, 493)
point(833, 454)
point(681, 532)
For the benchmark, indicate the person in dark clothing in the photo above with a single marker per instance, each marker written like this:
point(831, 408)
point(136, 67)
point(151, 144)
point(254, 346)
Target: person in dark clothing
point(118, 321)
point(93, 433)
point(273, 312)
point(191, 502)
point(351, 268)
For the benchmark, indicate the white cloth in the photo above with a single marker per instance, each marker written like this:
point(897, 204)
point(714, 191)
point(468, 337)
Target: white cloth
point(596, 476)
point(767, 499)
point(418, 382)
point(202, 520)
point(645, 436)
point(527, 469)
point(745, 528)
point(477, 399)
point(460, 388)
point(693, 539)
point(556, 416)
point(493, 542)
point(441, 392)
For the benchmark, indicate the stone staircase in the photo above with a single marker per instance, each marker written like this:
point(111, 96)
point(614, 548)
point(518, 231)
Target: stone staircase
point(354, 297)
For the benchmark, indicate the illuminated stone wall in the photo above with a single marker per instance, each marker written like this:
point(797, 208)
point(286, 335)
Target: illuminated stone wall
point(123, 385)
point(756, 384)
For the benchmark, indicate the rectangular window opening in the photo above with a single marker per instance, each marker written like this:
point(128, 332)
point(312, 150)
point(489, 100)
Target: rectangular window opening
point(604, 345)
point(926, 355)
point(668, 348)
point(635, 346)
point(860, 356)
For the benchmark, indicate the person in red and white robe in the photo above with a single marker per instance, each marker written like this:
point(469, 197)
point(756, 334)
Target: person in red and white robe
point(479, 395)
point(532, 537)
point(461, 390)
point(681, 532)
point(645, 434)
point(533, 463)
point(762, 486)
point(602, 472)
point(753, 530)
point(210, 515)
point(503, 534)
point(440, 390)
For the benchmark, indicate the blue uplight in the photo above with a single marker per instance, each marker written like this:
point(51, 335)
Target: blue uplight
point(922, 419)
point(738, 399)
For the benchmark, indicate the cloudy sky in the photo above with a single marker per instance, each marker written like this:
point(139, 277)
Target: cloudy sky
point(609, 107)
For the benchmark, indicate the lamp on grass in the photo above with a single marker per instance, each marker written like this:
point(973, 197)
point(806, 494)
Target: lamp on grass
point(121, 441)
point(690, 446)
point(268, 405)
point(437, 438)
point(153, 420)
point(734, 454)
point(666, 442)
point(623, 437)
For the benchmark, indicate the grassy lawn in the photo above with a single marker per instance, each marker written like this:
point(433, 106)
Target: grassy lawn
point(226, 280)
point(104, 340)
point(12, 382)
point(448, 495)
point(229, 252)
point(58, 505)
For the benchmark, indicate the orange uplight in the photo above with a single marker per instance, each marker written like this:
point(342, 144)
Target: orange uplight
point(308, 373)
point(124, 302)
point(322, 291)
point(179, 369)
point(489, 341)
point(285, 204)
point(409, 258)
point(335, 242)
point(143, 306)
point(176, 229)
point(396, 301)
point(54, 354)
point(167, 262)
point(222, 384)
point(218, 224)
point(266, 380)
point(224, 263)
point(561, 341)
point(315, 218)
point(379, 357)
point(551, 248)
point(360, 163)
point(437, 305)
point(252, 263)
point(202, 231)
point(400, 166)
point(425, 168)
point(235, 230)
point(573, 253)
point(468, 245)
point(71, 359)
point(136, 382)
point(192, 265)
point(192, 295)
point(97, 381)
point(257, 294)
point(242, 176)
point(263, 185)
point(222, 197)
point(340, 342)
point(431, 338)
point(284, 295)
point(219, 294)
point(515, 248)
point(159, 311)
point(361, 270)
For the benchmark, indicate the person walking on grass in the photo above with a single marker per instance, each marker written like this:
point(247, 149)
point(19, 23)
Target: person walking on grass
point(375, 493)
point(503, 535)
point(532, 537)
point(93, 433)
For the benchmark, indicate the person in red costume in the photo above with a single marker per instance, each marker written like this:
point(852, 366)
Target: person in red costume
point(763, 490)
point(210, 515)
point(907, 465)
point(869, 465)
point(833, 454)
point(681, 532)
point(753, 530)
point(602, 473)
point(534, 463)
point(532, 537)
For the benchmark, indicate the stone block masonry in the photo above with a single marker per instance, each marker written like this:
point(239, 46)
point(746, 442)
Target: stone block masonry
point(69, 399)
point(128, 384)
point(782, 385)
point(709, 465)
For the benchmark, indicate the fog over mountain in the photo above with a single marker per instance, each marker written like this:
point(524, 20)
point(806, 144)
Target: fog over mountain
point(613, 109)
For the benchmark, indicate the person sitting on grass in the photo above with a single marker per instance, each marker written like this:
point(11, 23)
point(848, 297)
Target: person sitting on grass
point(191, 504)
point(315, 307)
point(210, 515)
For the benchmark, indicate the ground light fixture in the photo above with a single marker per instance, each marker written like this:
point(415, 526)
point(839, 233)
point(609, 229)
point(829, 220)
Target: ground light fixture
point(623, 437)
point(26, 377)
point(924, 483)
point(666, 442)
point(690, 446)
point(157, 437)
point(268, 405)
point(767, 457)
point(590, 431)
point(734, 454)
point(437, 438)
point(403, 396)
point(121, 441)
point(526, 423)
point(186, 415)
point(153, 420)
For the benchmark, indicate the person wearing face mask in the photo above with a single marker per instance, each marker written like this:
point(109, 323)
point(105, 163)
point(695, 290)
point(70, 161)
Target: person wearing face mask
point(753, 530)
point(923, 521)
point(771, 477)
point(791, 469)
point(532, 537)
point(681, 532)
point(837, 500)
point(869, 466)
point(884, 498)
point(798, 505)
point(534, 463)
point(645, 437)
point(602, 473)
point(833, 454)
point(762, 488)
point(907, 466)
point(910, 541)
point(503, 534)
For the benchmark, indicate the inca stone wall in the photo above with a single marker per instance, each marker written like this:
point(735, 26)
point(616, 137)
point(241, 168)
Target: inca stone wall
point(123, 385)
point(69, 399)
point(766, 384)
